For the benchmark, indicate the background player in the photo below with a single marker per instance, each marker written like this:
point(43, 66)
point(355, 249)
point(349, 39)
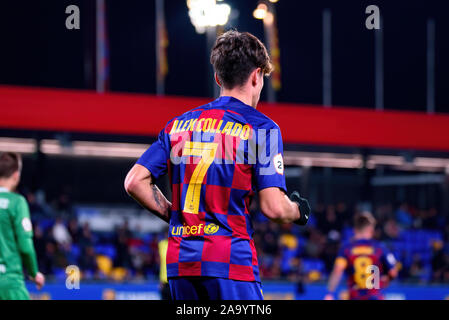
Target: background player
point(16, 234)
point(163, 281)
point(209, 155)
point(357, 257)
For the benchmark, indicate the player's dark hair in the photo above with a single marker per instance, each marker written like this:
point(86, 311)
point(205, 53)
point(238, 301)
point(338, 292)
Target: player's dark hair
point(363, 220)
point(10, 162)
point(235, 55)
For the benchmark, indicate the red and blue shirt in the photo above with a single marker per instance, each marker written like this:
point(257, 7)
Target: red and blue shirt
point(362, 259)
point(217, 156)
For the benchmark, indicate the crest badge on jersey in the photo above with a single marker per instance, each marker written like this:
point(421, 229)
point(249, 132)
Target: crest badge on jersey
point(211, 228)
point(278, 163)
point(26, 224)
point(4, 203)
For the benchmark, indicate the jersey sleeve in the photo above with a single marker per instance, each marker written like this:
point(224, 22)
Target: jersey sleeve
point(269, 166)
point(156, 157)
point(388, 259)
point(341, 259)
point(23, 230)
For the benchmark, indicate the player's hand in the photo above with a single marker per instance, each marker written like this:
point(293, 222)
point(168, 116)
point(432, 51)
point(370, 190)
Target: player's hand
point(304, 208)
point(39, 280)
point(329, 296)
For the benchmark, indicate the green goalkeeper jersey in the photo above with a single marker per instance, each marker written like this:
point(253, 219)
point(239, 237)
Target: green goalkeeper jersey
point(16, 239)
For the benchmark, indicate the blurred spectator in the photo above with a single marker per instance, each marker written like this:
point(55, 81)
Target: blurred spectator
point(123, 256)
point(61, 255)
point(430, 220)
point(86, 238)
point(63, 203)
point(343, 214)
point(403, 216)
point(315, 244)
point(48, 261)
point(384, 212)
point(60, 232)
point(416, 270)
point(36, 208)
point(440, 263)
point(319, 213)
point(88, 262)
point(270, 241)
point(330, 222)
point(74, 230)
point(39, 242)
point(289, 252)
point(125, 230)
point(391, 230)
point(330, 253)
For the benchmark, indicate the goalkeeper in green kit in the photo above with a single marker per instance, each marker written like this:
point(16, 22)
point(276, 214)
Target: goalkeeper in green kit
point(16, 234)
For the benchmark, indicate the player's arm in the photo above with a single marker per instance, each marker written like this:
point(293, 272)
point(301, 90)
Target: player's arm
point(335, 277)
point(393, 273)
point(276, 206)
point(391, 264)
point(270, 180)
point(140, 186)
point(24, 237)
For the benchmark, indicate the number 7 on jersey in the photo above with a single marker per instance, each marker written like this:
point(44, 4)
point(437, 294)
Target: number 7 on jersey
point(207, 151)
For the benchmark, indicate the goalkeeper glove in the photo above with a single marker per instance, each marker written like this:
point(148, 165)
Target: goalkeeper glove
point(304, 208)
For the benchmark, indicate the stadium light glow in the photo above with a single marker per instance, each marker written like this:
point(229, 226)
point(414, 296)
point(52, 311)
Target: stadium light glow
point(18, 145)
point(207, 13)
point(384, 160)
point(94, 149)
point(269, 18)
point(323, 159)
point(355, 161)
point(274, 1)
point(431, 162)
point(293, 158)
point(261, 11)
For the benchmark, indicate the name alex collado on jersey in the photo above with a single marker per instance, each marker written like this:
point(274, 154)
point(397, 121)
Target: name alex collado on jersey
point(260, 148)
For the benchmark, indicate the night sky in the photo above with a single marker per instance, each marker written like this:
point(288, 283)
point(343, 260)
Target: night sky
point(38, 50)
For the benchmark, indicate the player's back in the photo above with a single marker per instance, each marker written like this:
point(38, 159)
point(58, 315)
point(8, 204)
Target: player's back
point(366, 261)
point(10, 260)
point(214, 163)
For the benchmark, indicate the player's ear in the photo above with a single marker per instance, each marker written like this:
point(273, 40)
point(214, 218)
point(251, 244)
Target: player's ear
point(16, 176)
point(255, 76)
point(217, 80)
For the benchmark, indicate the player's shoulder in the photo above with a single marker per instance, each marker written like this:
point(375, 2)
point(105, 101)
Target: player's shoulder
point(375, 246)
point(18, 198)
point(12, 196)
point(352, 244)
point(260, 120)
point(12, 200)
point(194, 111)
point(346, 246)
point(249, 114)
point(382, 247)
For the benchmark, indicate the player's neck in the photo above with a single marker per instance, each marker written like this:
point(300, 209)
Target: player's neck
point(362, 236)
point(6, 184)
point(238, 94)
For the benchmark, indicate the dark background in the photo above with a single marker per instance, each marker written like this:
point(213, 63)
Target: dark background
point(37, 49)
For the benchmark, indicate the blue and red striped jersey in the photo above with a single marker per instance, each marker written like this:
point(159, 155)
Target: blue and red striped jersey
point(362, 259)
point(217, 156)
